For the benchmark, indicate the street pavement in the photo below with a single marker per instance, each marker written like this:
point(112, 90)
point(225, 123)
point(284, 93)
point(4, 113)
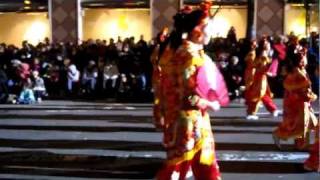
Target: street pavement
point(98, 140)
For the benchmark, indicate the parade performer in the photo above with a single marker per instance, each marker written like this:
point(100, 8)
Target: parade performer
point(249, 72)
point(158, 109)
point(190, 85)
point(257, 88)
point(298, 116)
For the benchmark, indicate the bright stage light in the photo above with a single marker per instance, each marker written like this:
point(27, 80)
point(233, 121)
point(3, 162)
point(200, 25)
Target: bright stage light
point(221, 26)
point(36, 32)
point(314, 29)
point(27, 2)
point(298, 27)
point(123, 23)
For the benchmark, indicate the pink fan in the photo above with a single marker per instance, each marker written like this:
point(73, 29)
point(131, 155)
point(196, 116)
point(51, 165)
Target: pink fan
point(273, 68)
point(211, 84)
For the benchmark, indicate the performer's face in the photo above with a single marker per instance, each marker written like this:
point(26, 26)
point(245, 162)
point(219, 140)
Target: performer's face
point(253, 44)
point(201, 33)
point(197, 34)
point(303, 61)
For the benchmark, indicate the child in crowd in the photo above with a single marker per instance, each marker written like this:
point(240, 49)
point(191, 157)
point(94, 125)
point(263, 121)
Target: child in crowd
point(73, 75)
point(38, 86)
point(89, 77)
point(27, 95)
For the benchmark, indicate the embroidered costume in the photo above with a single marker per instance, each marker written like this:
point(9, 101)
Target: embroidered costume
point(298, 116)
point(257, 87)
point(189, 84)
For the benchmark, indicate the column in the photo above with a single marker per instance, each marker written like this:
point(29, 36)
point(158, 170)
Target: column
point(65, 20)
point(251, 17)
point(270, 17)
point(162, 13)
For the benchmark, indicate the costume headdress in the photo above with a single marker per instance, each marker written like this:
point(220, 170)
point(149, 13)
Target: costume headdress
point(187, 18)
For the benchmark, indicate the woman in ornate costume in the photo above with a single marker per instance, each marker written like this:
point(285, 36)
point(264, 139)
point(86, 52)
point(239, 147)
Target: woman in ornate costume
point(156, 78)
point(257, 88)
point(190, 83)
point(298, 117)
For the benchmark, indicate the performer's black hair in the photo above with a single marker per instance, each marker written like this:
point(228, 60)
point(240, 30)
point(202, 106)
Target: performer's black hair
point(296, 59)
point(261, 47)
point(183, 23)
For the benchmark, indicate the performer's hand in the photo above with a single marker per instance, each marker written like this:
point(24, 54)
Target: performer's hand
point(312, 95)
point(159, 124)
point(270, 74)
point(214, 105)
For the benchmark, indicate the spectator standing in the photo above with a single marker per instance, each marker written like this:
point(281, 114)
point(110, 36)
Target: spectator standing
point(39, 88)
point(73, 76)
point(89, 77)
point(234, 77)
point(4, 93)
point(110, 74)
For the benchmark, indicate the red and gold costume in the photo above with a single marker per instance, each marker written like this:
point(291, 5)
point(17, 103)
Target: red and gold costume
point(156, 77)
point(257, 88)
point(188, 136)
point(249, 71)
point(185, 91)
point(158, 111)
point(298, 117)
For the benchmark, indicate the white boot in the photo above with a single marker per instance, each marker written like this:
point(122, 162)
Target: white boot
point(275, 113)
point(252, 117)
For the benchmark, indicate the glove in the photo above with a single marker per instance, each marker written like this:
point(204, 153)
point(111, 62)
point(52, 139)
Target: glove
point(204, 104)
point(213, 105)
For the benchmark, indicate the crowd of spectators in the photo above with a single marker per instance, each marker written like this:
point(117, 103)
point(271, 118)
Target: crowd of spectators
point(94, 69)
point(121, 69)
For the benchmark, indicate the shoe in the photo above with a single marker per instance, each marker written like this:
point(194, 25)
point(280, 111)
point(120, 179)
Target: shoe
point(14, 101)
point(301, 144)
point(276, 141)
point(189, 174)
point(252, 117)
point(275, 113)
point(308, 166)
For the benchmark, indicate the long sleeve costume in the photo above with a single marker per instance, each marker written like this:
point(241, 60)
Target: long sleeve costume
point(257, 88)
point(188, 137)
point(298, 117)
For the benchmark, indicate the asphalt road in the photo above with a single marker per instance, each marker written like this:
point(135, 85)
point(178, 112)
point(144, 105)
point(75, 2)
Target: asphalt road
point(98, 140)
